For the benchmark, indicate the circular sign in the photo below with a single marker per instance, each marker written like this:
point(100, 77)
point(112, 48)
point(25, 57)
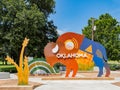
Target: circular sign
point(69, 45)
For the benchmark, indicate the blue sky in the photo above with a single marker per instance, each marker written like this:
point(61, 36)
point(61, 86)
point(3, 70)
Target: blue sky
point(73, 15)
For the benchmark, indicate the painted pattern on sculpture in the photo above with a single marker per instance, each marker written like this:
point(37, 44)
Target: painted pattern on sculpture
point(72, 49)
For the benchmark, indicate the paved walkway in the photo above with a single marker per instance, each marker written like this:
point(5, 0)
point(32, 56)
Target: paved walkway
point(76, 84)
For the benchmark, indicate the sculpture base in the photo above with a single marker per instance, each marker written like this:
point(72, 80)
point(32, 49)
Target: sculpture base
point(76, 78)
point(10, 84)
point(82, 75)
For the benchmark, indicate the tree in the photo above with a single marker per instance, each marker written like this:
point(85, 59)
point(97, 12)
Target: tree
point(26, 18)
point(46, 6)
point(107, 33)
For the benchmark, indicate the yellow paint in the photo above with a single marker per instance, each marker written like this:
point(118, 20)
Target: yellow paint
point(22, 69)
point(89, 49)
point(85, 63)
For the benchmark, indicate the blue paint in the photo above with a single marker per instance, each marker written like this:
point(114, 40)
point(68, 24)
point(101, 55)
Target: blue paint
point(99, 61)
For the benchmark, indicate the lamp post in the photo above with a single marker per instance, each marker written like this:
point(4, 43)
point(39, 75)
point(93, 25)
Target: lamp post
point(93, 29)
point(119, 37)
point(118, 24)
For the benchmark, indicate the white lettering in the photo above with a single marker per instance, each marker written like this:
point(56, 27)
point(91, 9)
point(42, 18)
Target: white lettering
point(71, 55)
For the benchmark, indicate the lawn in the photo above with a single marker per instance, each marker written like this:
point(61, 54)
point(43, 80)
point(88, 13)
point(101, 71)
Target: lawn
point(7, 68)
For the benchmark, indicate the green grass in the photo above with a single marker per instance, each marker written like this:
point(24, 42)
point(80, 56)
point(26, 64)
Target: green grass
point(7, 68)
point(1, 63)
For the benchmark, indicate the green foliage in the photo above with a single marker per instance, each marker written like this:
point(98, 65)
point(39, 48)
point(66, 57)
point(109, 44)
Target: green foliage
point(8, 68)
point(107, 33)
point(40, 63)
point(57, 67)
point(26, 18)
point(46, 6)
point(114, 65)
point(40, 68)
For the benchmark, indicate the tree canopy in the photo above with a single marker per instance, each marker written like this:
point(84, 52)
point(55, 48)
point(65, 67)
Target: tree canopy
point(26, 18)
point(107, 33)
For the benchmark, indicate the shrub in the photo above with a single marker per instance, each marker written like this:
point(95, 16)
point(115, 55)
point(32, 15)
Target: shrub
point(114, 64)
point(8, 68)
point(114, 67)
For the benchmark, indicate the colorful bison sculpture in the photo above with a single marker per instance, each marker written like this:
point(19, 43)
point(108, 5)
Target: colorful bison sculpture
point(71, 47)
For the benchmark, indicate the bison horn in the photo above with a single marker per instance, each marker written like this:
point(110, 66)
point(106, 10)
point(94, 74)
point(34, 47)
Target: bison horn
point(55, 49)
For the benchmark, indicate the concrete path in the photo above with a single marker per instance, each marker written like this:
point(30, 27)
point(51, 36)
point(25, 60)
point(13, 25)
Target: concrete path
point(79, 84)
point(75, 84)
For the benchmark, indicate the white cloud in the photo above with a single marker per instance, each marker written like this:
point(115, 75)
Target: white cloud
point(60, 31)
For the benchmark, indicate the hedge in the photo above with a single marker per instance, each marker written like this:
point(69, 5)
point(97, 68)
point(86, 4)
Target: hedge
point(8, 68)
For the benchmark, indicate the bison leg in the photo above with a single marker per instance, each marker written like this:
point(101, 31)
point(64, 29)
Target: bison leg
point(107, 69)
point(75, 69)
point(100, 72)
point(67, 72)
point(99, 62)
point(74, 73)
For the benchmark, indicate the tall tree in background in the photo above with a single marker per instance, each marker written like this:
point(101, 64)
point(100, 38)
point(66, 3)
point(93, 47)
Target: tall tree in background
point(107, 33)
point(26, 18)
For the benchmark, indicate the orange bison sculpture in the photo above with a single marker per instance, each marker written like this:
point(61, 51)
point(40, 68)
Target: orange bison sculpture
point(66, 50)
